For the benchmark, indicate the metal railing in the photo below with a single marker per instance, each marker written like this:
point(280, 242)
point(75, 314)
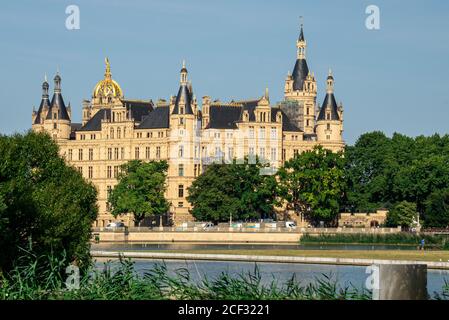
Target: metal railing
point(251, 230)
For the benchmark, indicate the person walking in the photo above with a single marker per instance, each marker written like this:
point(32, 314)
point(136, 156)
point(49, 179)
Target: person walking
point(422, 244)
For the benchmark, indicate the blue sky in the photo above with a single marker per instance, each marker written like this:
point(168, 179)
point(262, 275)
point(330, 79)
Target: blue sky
point(395, 79)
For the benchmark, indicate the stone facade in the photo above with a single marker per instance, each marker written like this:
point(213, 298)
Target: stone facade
point(363, 220)
point(115, 130)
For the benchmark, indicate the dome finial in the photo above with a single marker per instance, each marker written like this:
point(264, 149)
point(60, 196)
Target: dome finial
point(107, 74)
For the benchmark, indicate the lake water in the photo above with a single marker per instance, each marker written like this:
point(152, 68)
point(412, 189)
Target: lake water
point(352, 276)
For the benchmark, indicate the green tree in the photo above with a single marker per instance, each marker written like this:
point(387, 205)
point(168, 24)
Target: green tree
point(403, 215)
point(437, 210)
point(232, 190)
point(45, 206)
point(140, 190)
point(313, 184)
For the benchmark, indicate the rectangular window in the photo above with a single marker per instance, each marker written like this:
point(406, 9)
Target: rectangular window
point(158, 152)
point(273, 154)
point(136, 153)
point(181, 152)
point(251, 132)
point(218, 152)
point(296, 152)
point(251, 151)
point(147, 153)
point(181, 170)
point(116, 170)
point(91, 172)
point(230, 153)
point(109, 153)
point(181, 204)
point(116, 154)
point(91, 154)
point(274, 133)
point(262, 133)
point(181, 191)
point(80, 154)
point(262, 153)
point(109, 172)
point(70, 154)
point(80, 170)
point(123, 153)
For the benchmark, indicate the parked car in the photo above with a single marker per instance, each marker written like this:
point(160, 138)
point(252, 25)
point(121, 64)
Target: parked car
point(290, 224)
point(114, 225)
point(208, 226)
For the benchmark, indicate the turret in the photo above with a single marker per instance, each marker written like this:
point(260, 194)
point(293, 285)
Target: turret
point(57, 121)
point(329, 122)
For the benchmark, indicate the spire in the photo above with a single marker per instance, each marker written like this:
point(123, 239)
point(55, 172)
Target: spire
point(57, 80)
point(329, 109)
point(107, 74)
point(183, 73)
point(266, 96)
point(330, 82)
point(45, 87)
point(301, 34)
point(301, 44)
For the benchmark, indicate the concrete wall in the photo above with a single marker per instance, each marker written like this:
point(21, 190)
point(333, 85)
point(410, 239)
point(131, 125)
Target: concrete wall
point(260, 237)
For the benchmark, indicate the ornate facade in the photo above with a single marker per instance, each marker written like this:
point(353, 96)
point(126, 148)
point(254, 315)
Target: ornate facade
point(115, 130)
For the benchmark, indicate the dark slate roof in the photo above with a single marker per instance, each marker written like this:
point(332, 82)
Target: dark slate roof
point(286, 123)
point(74, 127)
point(187, 95)
point(94, 124)
point(58, 101)
point(329, 104)
point(44, 103)
point(159, 118)
point(225, 116)
point(300, 73)
point(139, 109)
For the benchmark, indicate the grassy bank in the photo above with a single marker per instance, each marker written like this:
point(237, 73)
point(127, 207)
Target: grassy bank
point(436, 242)
point(354, 254)
point(42, 280)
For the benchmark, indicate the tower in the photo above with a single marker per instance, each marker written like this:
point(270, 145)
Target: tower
point(39, 116)
point(53, 117)
point(329, 127)
point(184, 144)
point(301, 90)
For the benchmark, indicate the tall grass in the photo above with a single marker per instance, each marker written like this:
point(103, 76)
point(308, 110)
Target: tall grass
point(437, 241)
point(42, 280)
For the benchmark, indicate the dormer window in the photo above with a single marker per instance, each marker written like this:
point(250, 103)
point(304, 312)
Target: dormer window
point(182, 110)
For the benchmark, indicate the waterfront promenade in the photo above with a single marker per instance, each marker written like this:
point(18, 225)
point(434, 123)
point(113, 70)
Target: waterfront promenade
point(217, 235)
point(264, 258)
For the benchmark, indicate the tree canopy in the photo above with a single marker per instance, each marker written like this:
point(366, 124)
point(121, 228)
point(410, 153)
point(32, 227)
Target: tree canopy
point(232, 190)
point(45, 206)
point(313, 184)
point(437, 209)
point(403, 215)
point(140, 190)
point(383, 171)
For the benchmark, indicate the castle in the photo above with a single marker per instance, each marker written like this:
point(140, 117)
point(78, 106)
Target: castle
point(115, 130)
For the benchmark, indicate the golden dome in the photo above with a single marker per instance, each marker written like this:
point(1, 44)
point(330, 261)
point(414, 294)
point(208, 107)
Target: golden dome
point(107, 87)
